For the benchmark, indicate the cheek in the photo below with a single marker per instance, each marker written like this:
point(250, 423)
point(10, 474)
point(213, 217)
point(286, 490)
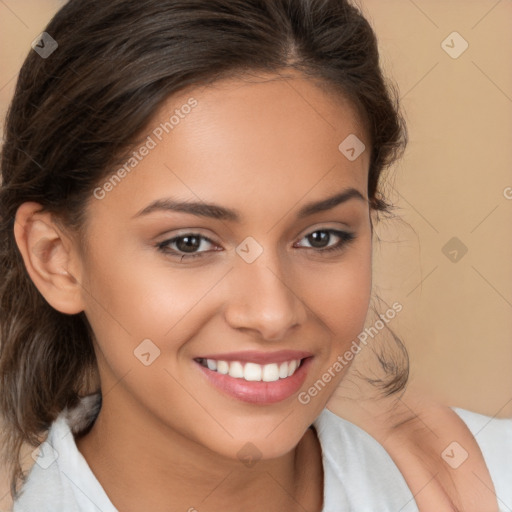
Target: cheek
point(341, 295)
point(341, 302)
point(144, 296)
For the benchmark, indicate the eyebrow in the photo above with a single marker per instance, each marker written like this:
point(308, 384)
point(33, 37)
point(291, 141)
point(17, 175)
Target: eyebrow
point(215, 211)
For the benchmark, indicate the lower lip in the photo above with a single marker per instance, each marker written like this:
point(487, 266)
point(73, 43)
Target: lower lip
point(258, 392)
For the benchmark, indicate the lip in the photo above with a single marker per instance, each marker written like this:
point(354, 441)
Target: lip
point(259, 392)
point(253, 356)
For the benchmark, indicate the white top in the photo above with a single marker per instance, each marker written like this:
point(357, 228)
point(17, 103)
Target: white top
point(359, 475)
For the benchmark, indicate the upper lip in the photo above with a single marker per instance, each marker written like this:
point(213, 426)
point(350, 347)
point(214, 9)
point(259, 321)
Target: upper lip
point(253, 356)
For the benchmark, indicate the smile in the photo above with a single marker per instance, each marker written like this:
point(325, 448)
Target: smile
point(256, 377)
point(253, 372)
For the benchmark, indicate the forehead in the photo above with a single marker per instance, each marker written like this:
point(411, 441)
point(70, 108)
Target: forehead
point(253, 139)
point(263, 111)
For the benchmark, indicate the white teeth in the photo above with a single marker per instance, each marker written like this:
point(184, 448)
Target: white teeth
point(253, 372)
point(222, 367)
point(292, 367)
point(236, 370)
point(283, 370)
point(270, 373)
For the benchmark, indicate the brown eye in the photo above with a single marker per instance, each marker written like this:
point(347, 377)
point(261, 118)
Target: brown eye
point(185, 246)
point(188, 243)
point(320, 238)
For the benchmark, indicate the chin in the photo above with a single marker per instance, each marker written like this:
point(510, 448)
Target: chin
point(267, 437)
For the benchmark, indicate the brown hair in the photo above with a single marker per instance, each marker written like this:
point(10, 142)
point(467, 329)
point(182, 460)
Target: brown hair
point(77, 112)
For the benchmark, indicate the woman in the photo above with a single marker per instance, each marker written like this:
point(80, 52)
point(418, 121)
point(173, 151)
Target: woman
point(188, 199)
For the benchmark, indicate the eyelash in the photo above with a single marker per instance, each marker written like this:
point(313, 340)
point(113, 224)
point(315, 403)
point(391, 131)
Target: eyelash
point(345, 239)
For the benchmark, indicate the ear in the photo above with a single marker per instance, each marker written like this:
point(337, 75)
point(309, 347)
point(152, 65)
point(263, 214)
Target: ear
point(50, 258)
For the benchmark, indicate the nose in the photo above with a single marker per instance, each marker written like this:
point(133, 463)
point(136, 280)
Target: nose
point(262, 299)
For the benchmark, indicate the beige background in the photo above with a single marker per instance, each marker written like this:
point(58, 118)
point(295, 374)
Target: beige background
point(457, 316)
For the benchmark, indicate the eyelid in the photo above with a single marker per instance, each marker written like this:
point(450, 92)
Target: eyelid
point(199, 232)
point(324, 227)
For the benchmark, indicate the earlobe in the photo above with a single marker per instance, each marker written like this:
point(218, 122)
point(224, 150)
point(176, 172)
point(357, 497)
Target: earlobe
point(48, 256)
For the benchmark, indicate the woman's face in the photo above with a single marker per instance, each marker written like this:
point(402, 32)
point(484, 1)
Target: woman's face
point(249, 286)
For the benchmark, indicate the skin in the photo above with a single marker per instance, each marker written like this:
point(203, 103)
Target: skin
point(165, 435)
